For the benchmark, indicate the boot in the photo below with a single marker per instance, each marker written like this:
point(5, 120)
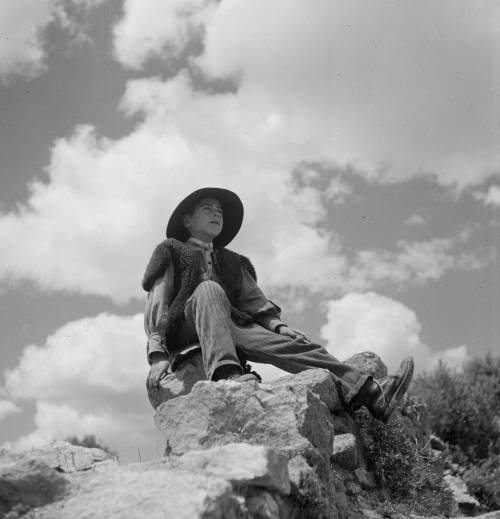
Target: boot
point(382, 396)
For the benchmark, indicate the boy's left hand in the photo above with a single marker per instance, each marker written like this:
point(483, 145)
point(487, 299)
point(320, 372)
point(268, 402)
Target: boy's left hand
point(294, 334)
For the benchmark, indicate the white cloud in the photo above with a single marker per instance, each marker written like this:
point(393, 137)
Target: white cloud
point(92, 227)
point(107, 202)
point(357, 83)
point(7, 407)
point(89, 378)
point(491, 197)
point(157, 28)
point(370, 322)
point(415, 219)
point(23, 28)
point(414, 262)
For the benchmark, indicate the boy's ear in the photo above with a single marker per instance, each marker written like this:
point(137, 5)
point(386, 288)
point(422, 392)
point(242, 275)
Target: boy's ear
point(186, 220)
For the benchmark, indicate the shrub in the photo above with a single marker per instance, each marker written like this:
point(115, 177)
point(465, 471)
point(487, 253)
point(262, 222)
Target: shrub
point(414, 478)
point(463, 406)
point(483, 481)
point(90, 441)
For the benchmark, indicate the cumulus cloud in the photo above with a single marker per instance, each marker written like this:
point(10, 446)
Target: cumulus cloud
point(23, 27)
point(89, 378)
point(413, 262)
point(491, 197)
point(372, 322)
point(107, 202)
point(357, 83)
point(415, 219)
point(22, 23)
point(7, 408)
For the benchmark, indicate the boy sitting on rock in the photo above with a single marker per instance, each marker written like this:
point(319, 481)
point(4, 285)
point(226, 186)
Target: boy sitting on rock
point(204, 295)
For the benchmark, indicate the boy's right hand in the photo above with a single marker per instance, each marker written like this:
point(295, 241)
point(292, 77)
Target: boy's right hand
point(159, 368)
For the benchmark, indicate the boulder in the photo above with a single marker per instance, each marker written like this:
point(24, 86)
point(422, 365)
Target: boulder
point(463, 499)
point(241, 464)
point(179, 382)
point(292, 419)
point(27, 483)
point(346, 452)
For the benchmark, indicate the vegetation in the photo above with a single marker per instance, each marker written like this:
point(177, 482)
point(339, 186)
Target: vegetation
point(464, 411)
point(89, 440)
point(404, 467)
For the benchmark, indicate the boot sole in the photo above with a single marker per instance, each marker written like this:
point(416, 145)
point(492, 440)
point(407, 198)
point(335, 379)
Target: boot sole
point(406, 377)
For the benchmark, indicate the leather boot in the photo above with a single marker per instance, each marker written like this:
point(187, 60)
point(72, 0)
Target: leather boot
point(382, 396)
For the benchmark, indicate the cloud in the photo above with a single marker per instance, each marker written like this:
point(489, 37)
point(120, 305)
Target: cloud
point(491, 197)
point(89, 378)
point(357, 83)
point(371, 322)
point(415, 219)
point(7, 407)
point(413, 263)
point(23, 30)
point(106, 204)
point(21, 25)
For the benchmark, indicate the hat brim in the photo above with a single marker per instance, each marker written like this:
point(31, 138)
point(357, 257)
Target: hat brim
point(231, 206)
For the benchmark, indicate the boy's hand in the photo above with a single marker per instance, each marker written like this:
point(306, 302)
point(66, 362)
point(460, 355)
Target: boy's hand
point(294, 334)
point(159, 368)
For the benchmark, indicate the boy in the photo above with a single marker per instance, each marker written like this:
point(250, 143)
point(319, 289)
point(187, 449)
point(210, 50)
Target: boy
point(204, 295)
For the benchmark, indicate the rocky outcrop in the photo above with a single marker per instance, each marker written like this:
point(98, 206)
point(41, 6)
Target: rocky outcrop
point(281, 450)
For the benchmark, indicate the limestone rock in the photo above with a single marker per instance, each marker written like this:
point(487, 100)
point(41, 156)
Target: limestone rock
point(460, 493)
point(262, 505)
point(346, 451)
point(365, 478)
point(289, 418)
point(28, 483)
point(180, 382)
point(319, 381)
point(241, 464)
point(368, 362)
point(157, 493)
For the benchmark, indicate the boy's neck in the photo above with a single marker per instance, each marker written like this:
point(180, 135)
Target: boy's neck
point(203, 239)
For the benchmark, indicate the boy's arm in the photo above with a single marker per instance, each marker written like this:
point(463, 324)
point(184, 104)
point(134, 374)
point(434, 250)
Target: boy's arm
point(253, 301)
point(155, 318)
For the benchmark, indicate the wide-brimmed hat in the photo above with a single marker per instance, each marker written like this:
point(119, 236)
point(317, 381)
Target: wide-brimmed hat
point(231, 205)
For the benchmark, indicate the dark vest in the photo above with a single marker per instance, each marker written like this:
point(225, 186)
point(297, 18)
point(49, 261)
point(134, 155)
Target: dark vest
point(187, 274)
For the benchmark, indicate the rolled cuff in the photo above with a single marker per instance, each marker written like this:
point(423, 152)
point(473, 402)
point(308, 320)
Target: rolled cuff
point(156, 344)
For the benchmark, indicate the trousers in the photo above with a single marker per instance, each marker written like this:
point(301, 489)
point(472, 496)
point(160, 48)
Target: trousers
point(208, 321)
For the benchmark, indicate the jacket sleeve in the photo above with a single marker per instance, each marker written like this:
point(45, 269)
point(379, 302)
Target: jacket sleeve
point(253, 301)
point(155, 316)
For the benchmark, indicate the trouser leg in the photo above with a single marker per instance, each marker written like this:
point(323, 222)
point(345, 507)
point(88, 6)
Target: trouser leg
point(261, 345)
point(208, 311)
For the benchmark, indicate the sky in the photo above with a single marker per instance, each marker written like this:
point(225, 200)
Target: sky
point(361, 135)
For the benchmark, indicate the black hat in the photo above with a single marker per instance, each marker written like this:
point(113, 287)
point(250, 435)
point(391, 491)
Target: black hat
point(231, 205)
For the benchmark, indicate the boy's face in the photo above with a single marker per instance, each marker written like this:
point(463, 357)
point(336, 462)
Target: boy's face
point(206, 220)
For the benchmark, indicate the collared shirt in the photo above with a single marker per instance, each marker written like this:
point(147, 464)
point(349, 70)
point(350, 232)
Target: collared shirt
point(251, 299)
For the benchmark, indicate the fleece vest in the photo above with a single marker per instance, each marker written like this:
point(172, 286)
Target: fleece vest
point(187, 275)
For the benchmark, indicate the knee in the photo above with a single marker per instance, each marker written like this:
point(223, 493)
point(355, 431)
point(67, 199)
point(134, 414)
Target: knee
point(210, 290)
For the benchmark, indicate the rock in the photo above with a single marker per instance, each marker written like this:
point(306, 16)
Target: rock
point(460, 493)
point(319, 381)
point(368, 362)
point(263, 505)
point(29, 483)
point(156, 494)
point(180, 382)
point(293, 420)
point(345, 451)
point(437, 443)
point(241, 464)
point(365, 479)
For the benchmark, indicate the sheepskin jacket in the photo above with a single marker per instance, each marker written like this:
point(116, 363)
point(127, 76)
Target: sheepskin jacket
point(187, 274)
